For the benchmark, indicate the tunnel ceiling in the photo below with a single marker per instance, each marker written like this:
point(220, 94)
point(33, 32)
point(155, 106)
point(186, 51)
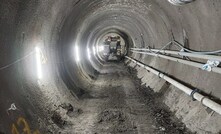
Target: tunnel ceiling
point(84, 27)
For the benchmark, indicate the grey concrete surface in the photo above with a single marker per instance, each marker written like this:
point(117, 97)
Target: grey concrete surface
point(116, 103)
point(56, 26)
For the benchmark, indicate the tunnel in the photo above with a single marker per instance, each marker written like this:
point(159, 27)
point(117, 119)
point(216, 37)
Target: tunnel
point(110, 67)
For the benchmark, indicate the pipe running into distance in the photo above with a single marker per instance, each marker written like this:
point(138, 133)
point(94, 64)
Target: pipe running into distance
point(190, 63)
point(203, 99)
point(194, 55)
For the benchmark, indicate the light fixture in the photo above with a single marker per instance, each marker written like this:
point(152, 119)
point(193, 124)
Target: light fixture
point(77, 56)
point(89, 53)
point(94, 50)
point(101, 48)
point(38, 62)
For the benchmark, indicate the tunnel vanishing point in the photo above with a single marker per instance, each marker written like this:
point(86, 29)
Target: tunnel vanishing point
point(110, 67)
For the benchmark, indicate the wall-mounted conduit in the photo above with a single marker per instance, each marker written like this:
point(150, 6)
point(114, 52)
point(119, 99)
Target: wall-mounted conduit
point(179, 53)
point(186, 62)
point(196, 95)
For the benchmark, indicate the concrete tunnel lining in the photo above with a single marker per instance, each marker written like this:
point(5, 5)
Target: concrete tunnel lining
point(56, 26)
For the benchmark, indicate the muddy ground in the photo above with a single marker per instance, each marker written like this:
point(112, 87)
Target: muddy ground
point(118, 103)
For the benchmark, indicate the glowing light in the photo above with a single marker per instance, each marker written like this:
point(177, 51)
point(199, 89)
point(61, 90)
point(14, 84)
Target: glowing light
point(94, 50)
point(89, 53)
point(77, 56)
point(101, 48)
point(38, 62)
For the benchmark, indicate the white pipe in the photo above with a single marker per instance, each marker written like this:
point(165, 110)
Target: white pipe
point(203, 99)
point(200, 56)
point(190, 63)
point(180, 2)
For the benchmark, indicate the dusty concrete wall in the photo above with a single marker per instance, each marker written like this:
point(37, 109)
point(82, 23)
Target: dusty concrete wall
point(25, 25)
point(201, 21)
point(197, 117)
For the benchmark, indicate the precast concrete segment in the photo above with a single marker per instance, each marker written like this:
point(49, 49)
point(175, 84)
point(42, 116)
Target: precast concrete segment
point(201, 98)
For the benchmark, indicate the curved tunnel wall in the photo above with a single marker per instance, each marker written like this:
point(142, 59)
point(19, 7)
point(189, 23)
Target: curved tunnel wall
point(56, 26)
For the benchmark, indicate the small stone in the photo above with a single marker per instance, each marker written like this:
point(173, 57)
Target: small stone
point(162, 129)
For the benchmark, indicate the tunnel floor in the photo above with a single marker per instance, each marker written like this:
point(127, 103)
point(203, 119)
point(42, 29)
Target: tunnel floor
point(117, 103)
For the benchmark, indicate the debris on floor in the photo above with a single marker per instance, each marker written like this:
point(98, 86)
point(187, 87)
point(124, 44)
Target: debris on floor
point(71, 111)
point(165, 121)
point(117, 121)
point(57, 119)
point(118, 104)
point(111, 116)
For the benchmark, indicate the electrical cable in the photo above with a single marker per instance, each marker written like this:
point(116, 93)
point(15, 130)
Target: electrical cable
point(191, 51)
point(15, 62)
point(176, 43)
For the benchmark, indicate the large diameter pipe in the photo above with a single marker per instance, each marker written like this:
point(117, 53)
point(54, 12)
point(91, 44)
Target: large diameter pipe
point(190, 63)
point(201, 98)
point(194, 55)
